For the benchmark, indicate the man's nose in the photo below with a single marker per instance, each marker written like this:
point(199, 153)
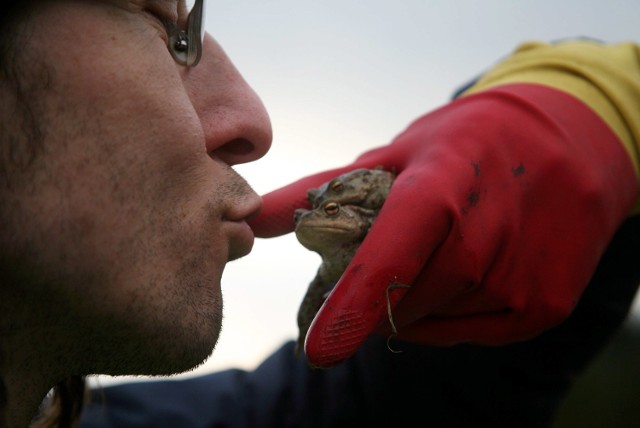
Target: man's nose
point(236, 125)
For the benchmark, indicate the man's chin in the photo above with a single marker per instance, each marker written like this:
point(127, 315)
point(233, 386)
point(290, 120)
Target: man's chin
point(192, 354)
point(165, 354)
point(166, 362)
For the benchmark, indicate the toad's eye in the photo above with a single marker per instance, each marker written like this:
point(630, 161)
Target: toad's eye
point(337, 186)
point(331, 208)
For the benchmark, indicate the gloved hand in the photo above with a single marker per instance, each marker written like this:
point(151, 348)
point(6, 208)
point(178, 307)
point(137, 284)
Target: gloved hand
point(503, 205)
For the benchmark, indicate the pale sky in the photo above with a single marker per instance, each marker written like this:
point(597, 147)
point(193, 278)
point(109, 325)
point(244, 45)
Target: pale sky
point(342, 76)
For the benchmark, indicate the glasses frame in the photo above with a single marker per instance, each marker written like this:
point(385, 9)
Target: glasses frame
point(185, 45)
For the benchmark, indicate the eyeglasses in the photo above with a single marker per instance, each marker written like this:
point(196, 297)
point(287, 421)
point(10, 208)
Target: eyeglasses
point(185, 45)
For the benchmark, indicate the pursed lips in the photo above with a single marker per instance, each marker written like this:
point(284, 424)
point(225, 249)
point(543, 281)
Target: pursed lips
point(239, 234)
point(240, 238)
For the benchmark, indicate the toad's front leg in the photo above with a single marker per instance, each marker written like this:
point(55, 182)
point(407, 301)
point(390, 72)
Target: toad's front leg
point(311, 303)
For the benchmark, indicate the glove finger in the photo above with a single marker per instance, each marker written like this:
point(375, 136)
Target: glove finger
point(411, 224)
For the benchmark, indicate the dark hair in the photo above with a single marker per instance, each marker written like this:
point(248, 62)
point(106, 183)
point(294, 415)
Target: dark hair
point(63, 406)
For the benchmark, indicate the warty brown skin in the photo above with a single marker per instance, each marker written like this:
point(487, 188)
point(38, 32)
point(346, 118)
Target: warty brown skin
point(344, 210)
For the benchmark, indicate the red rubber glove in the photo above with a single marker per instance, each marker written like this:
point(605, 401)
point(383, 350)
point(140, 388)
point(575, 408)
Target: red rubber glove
point(503, 205)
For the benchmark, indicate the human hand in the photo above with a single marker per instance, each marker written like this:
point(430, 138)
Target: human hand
point(503, 204)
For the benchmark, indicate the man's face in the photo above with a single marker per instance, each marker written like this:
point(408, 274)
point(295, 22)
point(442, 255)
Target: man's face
point(120, 227)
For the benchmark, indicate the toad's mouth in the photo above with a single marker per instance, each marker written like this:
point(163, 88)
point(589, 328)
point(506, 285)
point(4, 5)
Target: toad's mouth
point(328, 229)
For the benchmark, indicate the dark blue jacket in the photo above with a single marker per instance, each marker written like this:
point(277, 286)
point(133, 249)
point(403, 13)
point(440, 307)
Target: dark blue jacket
point(518, 385)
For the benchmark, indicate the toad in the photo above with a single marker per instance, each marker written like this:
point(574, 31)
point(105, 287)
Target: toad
point(343, 211)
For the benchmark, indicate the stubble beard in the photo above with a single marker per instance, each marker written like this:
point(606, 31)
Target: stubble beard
point(168, 322)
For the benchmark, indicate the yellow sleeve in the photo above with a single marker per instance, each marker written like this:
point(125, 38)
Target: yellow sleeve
point(605, 77)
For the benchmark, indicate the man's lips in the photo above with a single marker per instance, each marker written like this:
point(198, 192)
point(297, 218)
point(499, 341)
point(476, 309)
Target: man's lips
point(240, 238)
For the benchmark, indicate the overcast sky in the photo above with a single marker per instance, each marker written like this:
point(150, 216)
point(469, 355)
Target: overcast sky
point(341, 76)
